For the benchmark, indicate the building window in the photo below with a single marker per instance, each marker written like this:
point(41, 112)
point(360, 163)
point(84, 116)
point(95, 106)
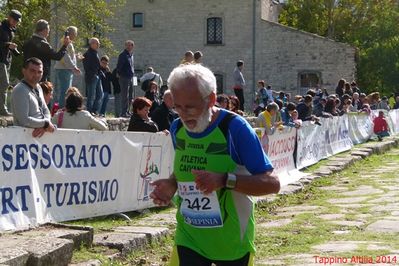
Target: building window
point(214, 28)
point(309, 79)
point(219, 83)
point(138, 20)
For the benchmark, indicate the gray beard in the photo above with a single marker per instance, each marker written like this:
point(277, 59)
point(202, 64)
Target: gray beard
point(202, 123)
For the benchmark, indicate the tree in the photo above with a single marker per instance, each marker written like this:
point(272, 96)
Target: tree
point(90, 16)
point(371, 26)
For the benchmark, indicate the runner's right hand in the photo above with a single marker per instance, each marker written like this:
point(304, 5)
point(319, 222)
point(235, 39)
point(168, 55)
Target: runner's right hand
point(164, 190)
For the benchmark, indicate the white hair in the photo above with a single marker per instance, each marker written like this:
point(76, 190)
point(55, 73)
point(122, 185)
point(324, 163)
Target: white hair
point(129, 42)
point(94, 40)
point(72, 30)
point(206, 80)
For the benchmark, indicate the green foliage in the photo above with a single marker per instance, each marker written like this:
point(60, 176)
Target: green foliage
point(371, 26)
point(89, 16)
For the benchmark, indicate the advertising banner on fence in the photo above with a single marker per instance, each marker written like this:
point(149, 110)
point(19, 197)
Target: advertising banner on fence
point(360, 127)
point(394, 118)
point(73, 174)
point(316, 142)
point(280, 148)
point(310, 144)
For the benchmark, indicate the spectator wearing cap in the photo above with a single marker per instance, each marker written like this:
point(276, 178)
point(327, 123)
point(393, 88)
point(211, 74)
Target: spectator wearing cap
point(7, 49)
point(38, 46)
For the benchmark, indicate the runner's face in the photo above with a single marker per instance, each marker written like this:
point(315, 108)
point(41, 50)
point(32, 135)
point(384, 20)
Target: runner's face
point(33, 73)
point(191, 106)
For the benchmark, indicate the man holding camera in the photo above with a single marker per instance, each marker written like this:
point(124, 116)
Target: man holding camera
point(38, 47)
point(7, 48)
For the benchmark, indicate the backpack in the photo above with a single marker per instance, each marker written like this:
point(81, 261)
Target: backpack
point(145, 84)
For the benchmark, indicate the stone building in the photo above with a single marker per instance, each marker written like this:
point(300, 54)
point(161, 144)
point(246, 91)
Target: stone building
point(226, 31)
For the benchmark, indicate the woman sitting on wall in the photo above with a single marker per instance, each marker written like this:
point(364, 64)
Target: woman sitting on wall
point(140, 121)
point(74, 117)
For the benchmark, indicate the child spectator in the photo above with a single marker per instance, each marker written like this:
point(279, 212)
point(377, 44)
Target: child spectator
point(381, 128)
point(48, 91)
point(106, 80)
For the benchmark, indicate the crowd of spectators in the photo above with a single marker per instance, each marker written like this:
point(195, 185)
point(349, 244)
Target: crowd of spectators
point(153, 112)
point(275, 110)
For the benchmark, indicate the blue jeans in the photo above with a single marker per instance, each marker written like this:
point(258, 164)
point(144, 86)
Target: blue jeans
point(383, 134)
point(94, 92)
point(64, 82)
point(104, 104)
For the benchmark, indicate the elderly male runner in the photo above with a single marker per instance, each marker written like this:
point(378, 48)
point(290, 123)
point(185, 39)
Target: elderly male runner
point(219, 163)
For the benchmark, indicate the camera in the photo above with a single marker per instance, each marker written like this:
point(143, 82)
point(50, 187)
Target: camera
point(66, 33)
point(16, 52)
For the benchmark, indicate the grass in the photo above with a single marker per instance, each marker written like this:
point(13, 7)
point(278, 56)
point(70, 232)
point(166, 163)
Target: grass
point(298, 237)
point(105, 223)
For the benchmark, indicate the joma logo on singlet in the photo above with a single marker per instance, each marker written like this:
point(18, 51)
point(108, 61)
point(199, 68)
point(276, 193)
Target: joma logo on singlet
point(195, 146)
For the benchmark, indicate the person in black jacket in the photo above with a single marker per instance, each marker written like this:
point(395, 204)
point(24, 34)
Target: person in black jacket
point(117, 93)
point(153, 95)
point(91, 64)
point(164, 115)
point(125, 70)
point(106, 81)
point(7, 48)
point(139, 121)
point(38, 46)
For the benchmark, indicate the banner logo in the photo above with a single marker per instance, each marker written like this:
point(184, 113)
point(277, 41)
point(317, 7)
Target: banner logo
point(149, 169)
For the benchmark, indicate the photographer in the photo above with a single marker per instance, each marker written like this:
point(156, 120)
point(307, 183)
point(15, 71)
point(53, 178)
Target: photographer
point(7, 48)
point(38, 46)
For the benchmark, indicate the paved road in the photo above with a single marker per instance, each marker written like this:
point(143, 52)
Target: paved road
point(355, 223)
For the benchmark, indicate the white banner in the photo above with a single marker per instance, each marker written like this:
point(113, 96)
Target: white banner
point(74, 174)
point(280, 148)
point(394, 117)
point(310, 145)
point(316, 142)
point(360, 127)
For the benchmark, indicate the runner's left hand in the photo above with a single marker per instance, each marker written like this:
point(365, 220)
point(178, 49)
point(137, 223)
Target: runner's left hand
point(207, 182)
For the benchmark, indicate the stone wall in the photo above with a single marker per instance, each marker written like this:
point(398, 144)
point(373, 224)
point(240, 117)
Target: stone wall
point(174, 26)
point(114, 124)
point(285, 52)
